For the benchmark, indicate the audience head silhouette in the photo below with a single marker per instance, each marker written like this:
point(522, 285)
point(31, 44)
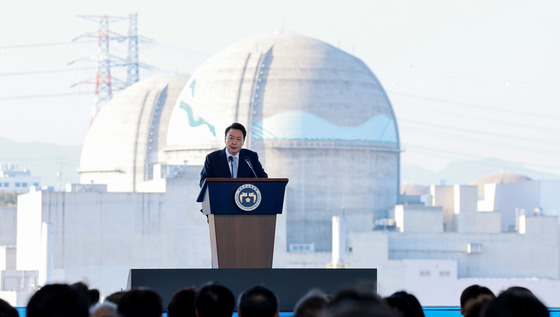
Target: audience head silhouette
point(351, 303)
point(474, 307)
point(258, 301)
point(140, 303)
point(115, 297)
point(516, 302)
point(214, 300)
point(311, 304)
point(105, 309)
point(471, 293)
point(182, 303)
point(91, 295)
point(57, 300)
point(406, 304)
point(6, 310)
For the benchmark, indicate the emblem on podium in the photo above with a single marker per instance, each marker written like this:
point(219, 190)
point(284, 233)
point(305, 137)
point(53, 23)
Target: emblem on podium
point(247, 197)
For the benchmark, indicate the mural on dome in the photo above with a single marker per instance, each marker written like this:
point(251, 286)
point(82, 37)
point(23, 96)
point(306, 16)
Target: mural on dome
point(190, 118)
point(190, 114)
point(289, 125)
point(186, 120)
point(299, 125)
point(195, 123)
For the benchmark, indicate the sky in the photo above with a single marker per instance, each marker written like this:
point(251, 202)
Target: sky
point(468, 79)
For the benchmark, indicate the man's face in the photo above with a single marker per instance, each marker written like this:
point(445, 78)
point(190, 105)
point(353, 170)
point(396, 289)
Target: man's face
point(234, 141)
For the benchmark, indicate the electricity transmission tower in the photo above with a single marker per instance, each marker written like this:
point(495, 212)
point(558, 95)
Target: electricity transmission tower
point(106, 83)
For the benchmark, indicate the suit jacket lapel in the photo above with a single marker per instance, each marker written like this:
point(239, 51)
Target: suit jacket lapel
point(227, 168)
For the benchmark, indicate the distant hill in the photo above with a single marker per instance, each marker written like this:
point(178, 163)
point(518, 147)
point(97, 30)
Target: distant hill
point(464, 172)
point(43, 160)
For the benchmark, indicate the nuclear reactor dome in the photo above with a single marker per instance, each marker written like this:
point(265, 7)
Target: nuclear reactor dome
point(414, 189)
point(287, 87)
point(126, 138)
point(500, 178)
point(314, 113)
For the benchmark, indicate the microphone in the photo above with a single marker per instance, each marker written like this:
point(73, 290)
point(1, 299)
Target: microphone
point(251, 166)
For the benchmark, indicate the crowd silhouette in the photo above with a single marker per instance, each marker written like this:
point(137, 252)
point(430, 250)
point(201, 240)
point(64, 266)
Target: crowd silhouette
point(215, 300)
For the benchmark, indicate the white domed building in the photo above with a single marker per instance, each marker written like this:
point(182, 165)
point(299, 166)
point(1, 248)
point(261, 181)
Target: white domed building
point(126, 138)
point(315, 114)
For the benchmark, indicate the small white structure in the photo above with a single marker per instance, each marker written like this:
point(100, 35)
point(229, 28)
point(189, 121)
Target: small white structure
point(514, 195)
point(15, 285)
point(13, 179)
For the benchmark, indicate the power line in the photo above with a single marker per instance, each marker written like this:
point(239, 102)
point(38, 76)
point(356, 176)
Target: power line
point(37, 45)
point(452, 154)
point(493, 122)
point(50, 71)
point(485, 141)
point(44, 96)
point(445, 75)
point(178, 51)
point(37, 163)
point(469, 105)
point(452, 129)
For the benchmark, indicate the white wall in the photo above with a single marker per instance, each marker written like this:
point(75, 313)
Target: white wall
point(447, 291)
point(99, 236)
point(417, 218)
point(8, 225)
point(429, 280)
point(478, 222)
point(550, 196)
point(515, 198)
point(504, 255)
point(443, 196)
point(465, 199)
point(29, 226)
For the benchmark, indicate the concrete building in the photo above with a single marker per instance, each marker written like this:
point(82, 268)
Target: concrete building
point(14, 283)
point(501, 192)
point(317, 116)
point(437, 261)
point(90, 234)
point(13, 179)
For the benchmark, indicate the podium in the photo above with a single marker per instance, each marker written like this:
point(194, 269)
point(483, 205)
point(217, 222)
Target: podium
point(242, 219)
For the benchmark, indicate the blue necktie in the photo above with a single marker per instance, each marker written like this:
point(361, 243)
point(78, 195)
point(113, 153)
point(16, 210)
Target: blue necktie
point(233, 167)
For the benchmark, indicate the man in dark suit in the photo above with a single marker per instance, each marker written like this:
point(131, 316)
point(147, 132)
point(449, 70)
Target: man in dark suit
point(233, 161)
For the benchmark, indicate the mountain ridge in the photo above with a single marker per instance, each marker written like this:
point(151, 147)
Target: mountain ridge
point(465, 172)
point(44, 160)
